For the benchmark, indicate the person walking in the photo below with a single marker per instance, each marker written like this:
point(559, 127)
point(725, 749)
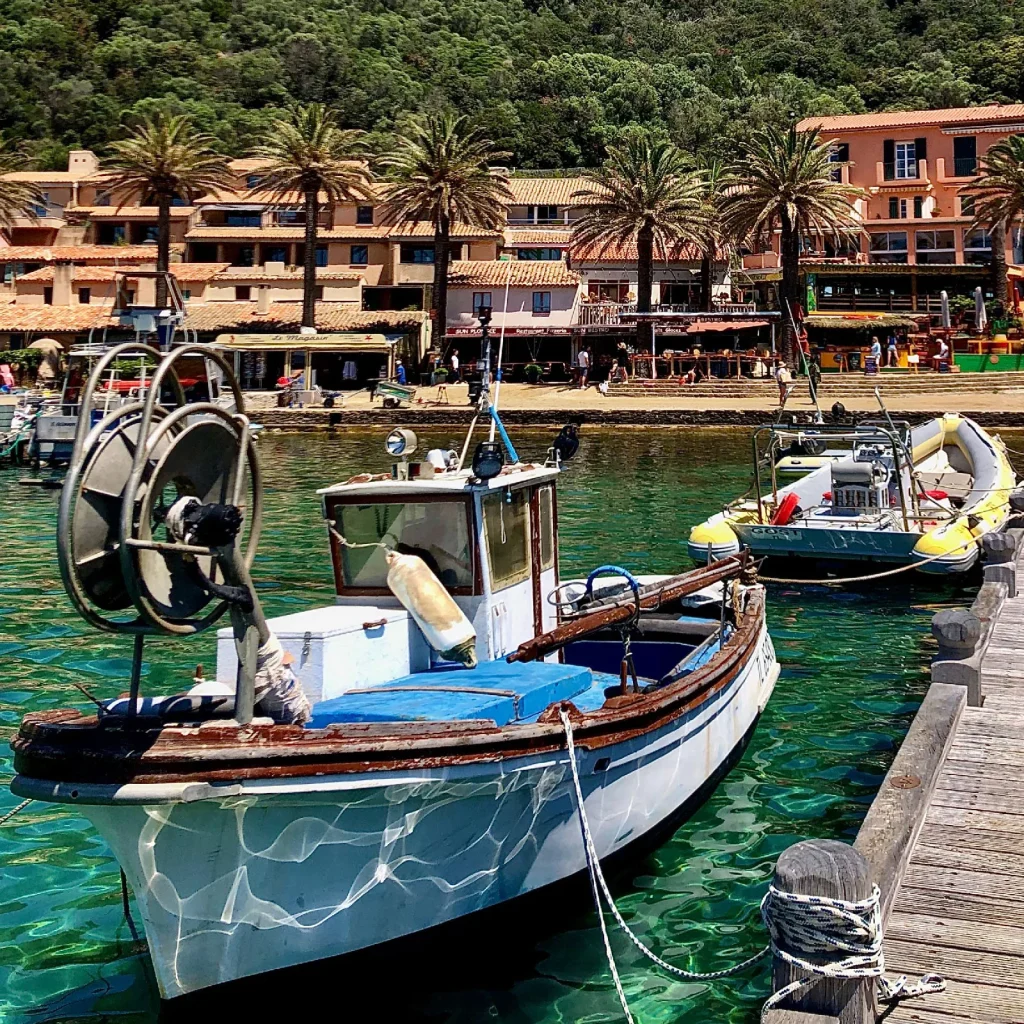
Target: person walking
point(400, 375)
point(455, 365)
point(783, 378)
point(583, 361)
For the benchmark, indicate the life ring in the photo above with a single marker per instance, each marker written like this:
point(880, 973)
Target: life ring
point(785, 511)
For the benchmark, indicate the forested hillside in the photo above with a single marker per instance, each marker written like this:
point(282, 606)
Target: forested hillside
point(551, 79)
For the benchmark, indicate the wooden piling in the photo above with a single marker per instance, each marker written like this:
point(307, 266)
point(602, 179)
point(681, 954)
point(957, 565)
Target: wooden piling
point(825, 867)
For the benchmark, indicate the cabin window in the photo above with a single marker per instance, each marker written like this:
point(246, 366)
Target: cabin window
point(507, 527)
point(437, 531)
point(547, 527)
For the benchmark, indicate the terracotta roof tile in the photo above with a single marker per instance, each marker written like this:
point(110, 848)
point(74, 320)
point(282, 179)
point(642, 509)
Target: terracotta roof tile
point(78, 273)
point(524, 274)
point(291, 274)
point(197, 273)
point(113, 212)
point(345, 232)
point(614, 253)
point(545, 191)
point(53, 319)
point(537, 236)
point(287, 316)
point(915, 118)
point(45, 177)
point(186, 273)
point(111, 254)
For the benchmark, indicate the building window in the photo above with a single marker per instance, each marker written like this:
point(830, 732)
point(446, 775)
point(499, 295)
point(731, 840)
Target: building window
point(539, 254)
point(47, 296)
point(965, 156)
point(186, 294)
point(364, 214)
point(413, 253)
point(242, 220)
point(935, 247)
point(978, 246)
point(840, 154)
point(906, 160)
point(894, 208)
point(179, 201)
point(318, 292)
point(545, 214)
point(967, 206)
point(541, 303)
point(918, 207)
point(252, 180)
point(480, 301)
point(360, 255)
point(888, 247)
point(276, 254)
point(321, 255)
point(84, 296)
point(243, 293)
point(290, 217)
point(245, 257)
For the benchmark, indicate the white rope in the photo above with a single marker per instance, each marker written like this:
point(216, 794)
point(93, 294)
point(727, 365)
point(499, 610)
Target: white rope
point(10, 814)
point(813, 926)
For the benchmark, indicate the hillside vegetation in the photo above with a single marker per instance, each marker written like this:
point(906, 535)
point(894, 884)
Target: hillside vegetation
point(551, 81)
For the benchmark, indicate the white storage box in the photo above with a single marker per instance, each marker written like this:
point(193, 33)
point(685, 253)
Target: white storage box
point(340, 647)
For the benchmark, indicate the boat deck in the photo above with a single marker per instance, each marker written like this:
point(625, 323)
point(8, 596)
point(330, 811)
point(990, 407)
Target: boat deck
point(960, 908)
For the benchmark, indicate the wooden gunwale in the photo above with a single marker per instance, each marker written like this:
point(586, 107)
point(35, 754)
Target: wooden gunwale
point(66, 746)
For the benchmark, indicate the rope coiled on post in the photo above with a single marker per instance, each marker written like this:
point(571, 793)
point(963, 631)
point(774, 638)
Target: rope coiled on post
point(813, 926)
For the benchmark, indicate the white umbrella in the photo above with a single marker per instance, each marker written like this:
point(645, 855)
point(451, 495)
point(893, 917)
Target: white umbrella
point(52, 351)
point(980, 316)
point(947, 323)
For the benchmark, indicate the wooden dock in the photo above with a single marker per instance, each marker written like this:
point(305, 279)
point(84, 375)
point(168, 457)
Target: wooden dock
point(959, 911)
point(944, 837)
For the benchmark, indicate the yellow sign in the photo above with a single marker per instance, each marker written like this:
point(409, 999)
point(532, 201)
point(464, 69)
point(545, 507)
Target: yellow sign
point(341, 342)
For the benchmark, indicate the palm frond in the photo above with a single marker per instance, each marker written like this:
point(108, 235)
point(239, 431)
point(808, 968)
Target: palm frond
point(17, 198)
point(644, 185)
point(307, 152)
point(439, 169)
point(166, 158)
point(999, 190)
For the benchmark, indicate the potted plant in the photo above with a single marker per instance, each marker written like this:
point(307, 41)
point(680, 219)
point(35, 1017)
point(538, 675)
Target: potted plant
point(441, 375)
point(533, 373)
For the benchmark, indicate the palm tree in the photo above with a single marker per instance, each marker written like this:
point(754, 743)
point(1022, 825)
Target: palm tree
point(440, 174)
point(165, 160)
point(309, 155)
point(999, 201)
point(17, 198)
point(644, 195)
point(785, 181)
point(712, 234)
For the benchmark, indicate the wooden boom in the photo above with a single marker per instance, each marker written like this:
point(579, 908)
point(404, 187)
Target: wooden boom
point(651, 597)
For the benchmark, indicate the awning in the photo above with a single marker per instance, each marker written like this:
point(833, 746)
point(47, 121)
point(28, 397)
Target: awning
point(341, 342)
point(723, 326)
point(862, 323)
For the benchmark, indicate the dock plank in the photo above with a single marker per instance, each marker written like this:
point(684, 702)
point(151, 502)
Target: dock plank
point(957, 933)
point(964, 857)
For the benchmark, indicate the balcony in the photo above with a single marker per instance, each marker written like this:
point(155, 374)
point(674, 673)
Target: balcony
point(912, 174)
point(964, 167)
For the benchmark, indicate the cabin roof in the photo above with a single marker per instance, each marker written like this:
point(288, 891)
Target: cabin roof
point(442, 483)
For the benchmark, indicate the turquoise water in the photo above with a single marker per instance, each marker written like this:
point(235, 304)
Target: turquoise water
point(854, 670)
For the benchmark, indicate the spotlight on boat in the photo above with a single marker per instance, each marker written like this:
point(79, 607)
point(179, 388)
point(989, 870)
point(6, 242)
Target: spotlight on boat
point(400, 442)
point(567, 444)
point(838, 411)
point(488, 459)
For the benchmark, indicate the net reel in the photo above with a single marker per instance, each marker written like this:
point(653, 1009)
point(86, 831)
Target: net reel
point(152, 513)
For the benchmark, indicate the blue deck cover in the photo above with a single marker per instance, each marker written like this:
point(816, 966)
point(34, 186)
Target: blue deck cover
point(432, 697)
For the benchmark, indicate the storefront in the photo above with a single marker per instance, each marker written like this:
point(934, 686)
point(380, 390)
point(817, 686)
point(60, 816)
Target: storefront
point(335, 362)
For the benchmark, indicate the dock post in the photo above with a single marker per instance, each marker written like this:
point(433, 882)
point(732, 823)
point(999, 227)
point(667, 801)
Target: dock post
point(1000, 551)
point(958, 633)
point(824, 867)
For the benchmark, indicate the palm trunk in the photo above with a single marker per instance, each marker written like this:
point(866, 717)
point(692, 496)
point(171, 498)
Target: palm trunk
point(999, 286)
point(442, 247)
point(706, 270)
point(790, 290)
point(644, 286)
point(163, 248)
point(309, 261)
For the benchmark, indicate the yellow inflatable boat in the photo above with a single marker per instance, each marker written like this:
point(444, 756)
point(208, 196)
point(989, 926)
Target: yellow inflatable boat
point(924, 496)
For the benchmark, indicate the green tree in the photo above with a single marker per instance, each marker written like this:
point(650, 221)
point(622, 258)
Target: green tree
point(714, 240)
point(999, 201)
point(163, 161)
point(307, 154)
point(17, 198)
point(644, 195)
point(439, 173)
point(785, 181)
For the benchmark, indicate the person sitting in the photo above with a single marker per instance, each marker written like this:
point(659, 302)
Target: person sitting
point(941, 357)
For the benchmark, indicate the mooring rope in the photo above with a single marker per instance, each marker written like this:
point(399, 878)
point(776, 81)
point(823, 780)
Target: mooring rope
point(10, 814)
point(799, 928)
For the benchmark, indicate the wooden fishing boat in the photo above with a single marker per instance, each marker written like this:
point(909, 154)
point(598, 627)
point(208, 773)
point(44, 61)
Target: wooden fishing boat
point(424, 784)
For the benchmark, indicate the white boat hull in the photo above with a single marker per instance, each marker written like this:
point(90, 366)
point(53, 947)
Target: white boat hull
point(292, 870)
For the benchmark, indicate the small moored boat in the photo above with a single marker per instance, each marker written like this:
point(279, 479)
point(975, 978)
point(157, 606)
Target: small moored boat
point(877, 492)
point(398, 759)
